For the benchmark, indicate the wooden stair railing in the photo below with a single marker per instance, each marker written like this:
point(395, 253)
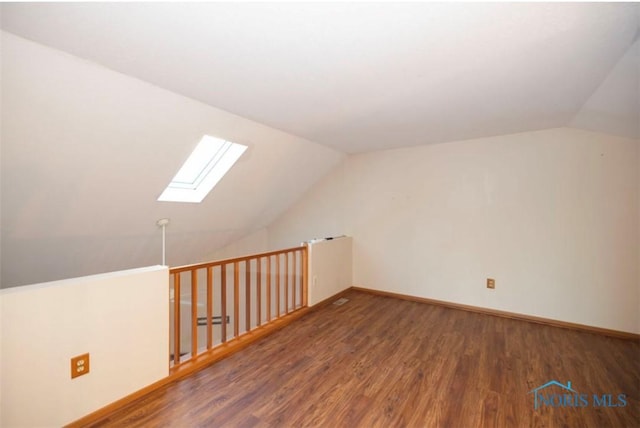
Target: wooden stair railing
point(246, 292)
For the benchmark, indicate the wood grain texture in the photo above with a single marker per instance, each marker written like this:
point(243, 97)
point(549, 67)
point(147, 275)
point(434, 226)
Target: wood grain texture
point(378, 361)
point(286, 283)
point(295, 277)
point(223, 303)
point(277, 285)
point(268, 288)
point(305, 275)
point(236, 300)
point(195, 364)
point(176, 318)
point(209, 307)
point(505, 314)
point(189, 268)
point(247, 295)
point(259, 292)
point(194, 313)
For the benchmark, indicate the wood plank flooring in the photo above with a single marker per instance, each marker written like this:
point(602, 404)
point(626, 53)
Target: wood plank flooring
point(382, 362)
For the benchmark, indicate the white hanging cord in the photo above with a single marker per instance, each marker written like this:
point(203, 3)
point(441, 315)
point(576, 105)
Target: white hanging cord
point(163, 222)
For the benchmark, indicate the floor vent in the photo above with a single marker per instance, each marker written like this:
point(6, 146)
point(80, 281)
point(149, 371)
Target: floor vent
point(341, 301)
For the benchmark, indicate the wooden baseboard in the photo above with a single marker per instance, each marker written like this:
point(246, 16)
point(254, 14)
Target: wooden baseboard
point(109, 408)
point(203, 360)
point(538, 320)
point(235, 345)
point(331, 299)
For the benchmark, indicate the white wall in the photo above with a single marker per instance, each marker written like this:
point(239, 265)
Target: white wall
point(120, 318)
point(1, 353)
point(614, 107)
point(254, 243)
point(638, 263)
point(551, 215)
point(93, 149)
point(0, 238)
point(330, 268)
point(321, 213)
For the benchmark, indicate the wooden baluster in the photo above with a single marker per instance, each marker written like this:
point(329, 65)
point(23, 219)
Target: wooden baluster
point(295, 276)
point(247, 300)
point(305, 274)
point(223, 303)
point(286, 283)
point(277, 285)
point(194, 312)
point(295, 283)
point(268, 288)
point(209, 307)
point(258, 291)
point(236, 299)
point(176, 319)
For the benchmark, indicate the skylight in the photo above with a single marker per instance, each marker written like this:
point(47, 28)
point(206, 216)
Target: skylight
point(208, 163)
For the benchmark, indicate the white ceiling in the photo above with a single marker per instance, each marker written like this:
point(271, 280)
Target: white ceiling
point(614, 107)
point(361, 76)
point(101, 109)
point(86, 151)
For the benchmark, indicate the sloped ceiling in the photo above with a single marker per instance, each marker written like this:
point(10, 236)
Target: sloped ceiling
point(101, 103)
point(614, 107)
point(355, 76)
point(86, 152)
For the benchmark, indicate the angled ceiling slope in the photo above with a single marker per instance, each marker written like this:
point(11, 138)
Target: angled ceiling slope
point(86, 152)
point(356, 76)
point(614, 107)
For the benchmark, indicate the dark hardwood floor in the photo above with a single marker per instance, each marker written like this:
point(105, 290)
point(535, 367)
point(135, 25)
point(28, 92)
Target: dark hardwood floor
point(381, 362)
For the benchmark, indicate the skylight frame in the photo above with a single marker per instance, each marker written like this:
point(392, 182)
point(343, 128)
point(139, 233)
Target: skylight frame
point(211, 159)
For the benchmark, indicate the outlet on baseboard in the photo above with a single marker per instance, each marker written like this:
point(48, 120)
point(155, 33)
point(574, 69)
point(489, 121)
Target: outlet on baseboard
point(491, 283)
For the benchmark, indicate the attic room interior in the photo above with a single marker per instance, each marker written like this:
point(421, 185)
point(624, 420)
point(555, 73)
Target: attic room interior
point(431, 216)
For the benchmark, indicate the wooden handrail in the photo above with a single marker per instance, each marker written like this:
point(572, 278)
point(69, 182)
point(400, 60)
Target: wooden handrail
point(261, 285)
point(186, 268)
